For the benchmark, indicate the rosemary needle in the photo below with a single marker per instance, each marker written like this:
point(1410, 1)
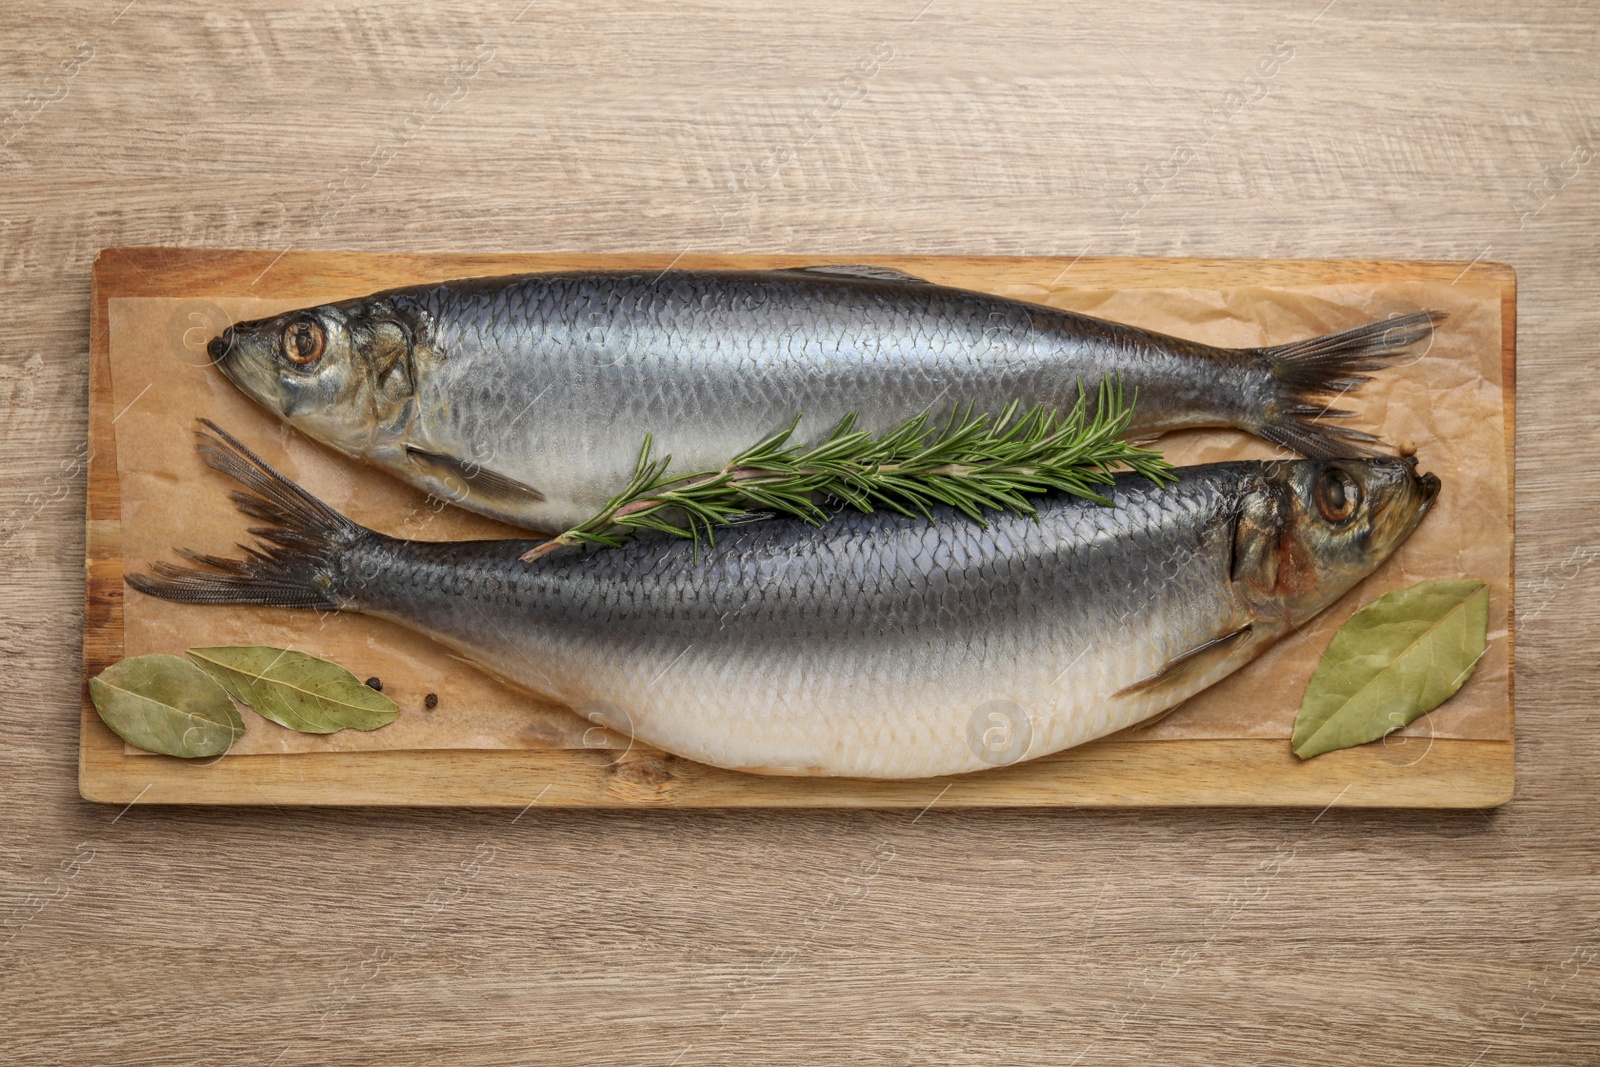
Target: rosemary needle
point(974, 463)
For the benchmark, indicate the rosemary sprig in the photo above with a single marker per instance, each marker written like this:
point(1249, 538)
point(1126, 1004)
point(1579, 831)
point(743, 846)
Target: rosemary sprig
point(974, 463)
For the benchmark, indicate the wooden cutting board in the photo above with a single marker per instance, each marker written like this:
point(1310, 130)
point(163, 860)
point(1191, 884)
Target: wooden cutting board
point(1443, 772)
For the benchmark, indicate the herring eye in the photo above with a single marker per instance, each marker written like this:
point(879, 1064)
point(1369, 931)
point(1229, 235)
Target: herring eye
point(1338, 495)
point(303, 342)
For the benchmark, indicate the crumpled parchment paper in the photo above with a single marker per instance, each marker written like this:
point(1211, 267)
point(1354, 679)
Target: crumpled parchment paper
point(1447, 404)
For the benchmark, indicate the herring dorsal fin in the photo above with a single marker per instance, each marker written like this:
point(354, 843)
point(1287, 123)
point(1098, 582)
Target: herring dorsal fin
point(479, 480)
point(865, 271)
point(1187, 664)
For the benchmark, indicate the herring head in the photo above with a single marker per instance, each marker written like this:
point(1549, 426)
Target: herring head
point(1310, 530)
point(339, 373)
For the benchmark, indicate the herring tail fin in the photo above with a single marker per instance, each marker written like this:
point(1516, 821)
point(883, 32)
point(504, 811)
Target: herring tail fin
point(1309, 376)
point(294, 564)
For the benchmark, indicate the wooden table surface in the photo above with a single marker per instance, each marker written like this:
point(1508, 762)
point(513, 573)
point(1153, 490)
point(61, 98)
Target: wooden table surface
point(301, 936)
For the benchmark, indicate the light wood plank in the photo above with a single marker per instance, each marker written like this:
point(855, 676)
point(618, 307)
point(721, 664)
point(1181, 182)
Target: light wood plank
point(1113, 773)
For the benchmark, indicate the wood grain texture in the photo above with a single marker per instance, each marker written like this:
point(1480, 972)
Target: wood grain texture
point(311, 936)
point(1429, 771)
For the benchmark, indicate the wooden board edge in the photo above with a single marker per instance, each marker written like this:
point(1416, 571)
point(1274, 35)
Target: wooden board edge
point(175, 271)
point(1508, 394)
point(1417, 773)
point(102, 563)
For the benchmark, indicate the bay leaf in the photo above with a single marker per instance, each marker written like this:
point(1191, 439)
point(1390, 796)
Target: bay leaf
point(166, 704)
point(295, 689)
point(1398, 658)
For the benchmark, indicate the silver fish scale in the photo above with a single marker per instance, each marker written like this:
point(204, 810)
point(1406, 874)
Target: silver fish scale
point(887, 625)
point(555, 379)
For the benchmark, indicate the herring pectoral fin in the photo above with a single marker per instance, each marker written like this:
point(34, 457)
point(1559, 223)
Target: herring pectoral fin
point(481, 482)
point(860, 270)
point(1186, 665)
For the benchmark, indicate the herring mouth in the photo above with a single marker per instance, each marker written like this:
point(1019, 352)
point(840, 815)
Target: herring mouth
point(1425, 490)
point(1405, 502)
point(220, 347)
point(1430, 486)
point(1427, 484)
point(226, 356)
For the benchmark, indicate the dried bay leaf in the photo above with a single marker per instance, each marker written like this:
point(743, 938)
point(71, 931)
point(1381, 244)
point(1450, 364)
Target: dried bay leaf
point(1398, 658)
point(295, 689)
point(166, 704)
